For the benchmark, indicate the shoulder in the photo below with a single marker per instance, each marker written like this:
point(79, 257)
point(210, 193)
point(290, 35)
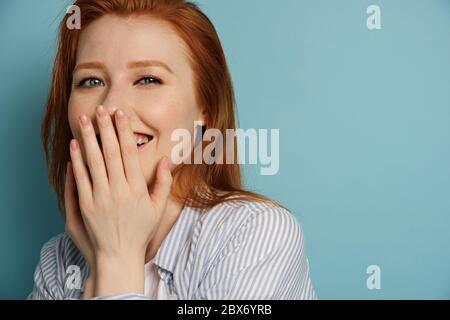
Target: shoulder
point(60, 252)
point(233, 215)
point(58, 256)
point(233, 223)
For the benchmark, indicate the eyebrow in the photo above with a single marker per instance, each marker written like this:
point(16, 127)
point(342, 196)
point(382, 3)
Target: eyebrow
point(89, 65)
point(132, 64)
point(149, 63)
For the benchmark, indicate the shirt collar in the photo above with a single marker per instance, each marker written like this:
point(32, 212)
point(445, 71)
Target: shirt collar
point(170, 249)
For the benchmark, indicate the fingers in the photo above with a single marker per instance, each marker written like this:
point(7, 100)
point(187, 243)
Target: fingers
point(163, 183)
point(81, 175)
point(73, 216)
point(69, 193)
point(94, 157)
point(111, 149)
point(75, 226)
point(130, 153)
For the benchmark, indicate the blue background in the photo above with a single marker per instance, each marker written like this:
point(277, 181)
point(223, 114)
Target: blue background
point(364, 127)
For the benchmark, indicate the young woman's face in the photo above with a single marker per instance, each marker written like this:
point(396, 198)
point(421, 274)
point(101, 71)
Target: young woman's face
point(140, 65)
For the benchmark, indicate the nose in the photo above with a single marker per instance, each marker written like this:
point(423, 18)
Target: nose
point(111, 109)
point(111, 102)
point(114, 99)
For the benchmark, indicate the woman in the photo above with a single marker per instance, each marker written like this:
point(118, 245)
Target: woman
point(137, 224)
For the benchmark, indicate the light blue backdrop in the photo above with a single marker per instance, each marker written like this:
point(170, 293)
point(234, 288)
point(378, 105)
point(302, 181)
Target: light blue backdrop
point(364, 125)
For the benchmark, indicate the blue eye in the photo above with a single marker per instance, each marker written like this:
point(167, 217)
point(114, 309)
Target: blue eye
point(149, 80)
point(90, 82)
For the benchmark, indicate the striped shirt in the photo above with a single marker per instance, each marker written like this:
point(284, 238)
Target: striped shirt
point(153, 284)
point(234, 250)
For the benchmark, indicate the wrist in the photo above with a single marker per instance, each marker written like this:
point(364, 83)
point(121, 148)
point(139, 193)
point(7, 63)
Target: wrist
point(117, 275)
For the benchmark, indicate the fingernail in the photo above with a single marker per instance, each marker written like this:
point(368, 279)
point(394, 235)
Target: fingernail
point(84, 121)
point(74, 145)
point(101, 111)
point(120, 114)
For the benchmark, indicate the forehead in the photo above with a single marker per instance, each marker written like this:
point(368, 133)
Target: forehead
point(118, 40)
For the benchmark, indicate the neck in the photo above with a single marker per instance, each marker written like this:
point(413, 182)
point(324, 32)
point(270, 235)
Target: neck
point(168, 219)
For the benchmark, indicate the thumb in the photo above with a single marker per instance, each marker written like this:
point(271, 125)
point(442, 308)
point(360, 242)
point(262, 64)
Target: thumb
point(163, 183)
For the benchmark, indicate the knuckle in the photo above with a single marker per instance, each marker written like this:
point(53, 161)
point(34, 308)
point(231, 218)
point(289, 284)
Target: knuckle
point(129, 150)
point(86, 208)
point(83, 179)
point(103, 123)
point(119, 195)
point(109, 153)
point(86, 133)
point(95, 162)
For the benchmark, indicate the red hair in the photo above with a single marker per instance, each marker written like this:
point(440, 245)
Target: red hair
point(200, 185)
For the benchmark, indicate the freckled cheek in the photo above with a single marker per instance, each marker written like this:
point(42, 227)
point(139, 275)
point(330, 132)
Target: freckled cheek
point(163, 117)
point(73, 116)
point(167, 142)
point(165, 120)
point(75, 109)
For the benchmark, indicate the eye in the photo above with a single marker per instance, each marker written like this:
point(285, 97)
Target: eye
point(90, 82)
point(149, 80)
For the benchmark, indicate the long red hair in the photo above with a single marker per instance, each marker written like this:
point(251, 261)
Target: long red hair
point(199, 185)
